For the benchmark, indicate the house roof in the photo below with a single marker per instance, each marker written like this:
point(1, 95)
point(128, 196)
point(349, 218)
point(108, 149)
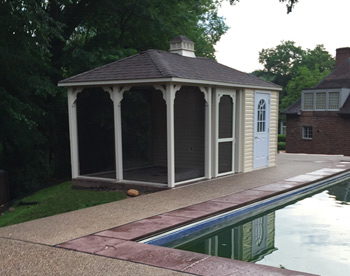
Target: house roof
point(165, 66)
point(339, 78)
point(346, 107)
point(293, 109)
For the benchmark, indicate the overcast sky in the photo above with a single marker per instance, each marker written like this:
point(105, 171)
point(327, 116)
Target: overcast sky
point(258, 24)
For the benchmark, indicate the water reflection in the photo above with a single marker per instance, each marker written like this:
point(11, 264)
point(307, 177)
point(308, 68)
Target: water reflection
point(248, 241)
point(310, 235)
point(341, 192)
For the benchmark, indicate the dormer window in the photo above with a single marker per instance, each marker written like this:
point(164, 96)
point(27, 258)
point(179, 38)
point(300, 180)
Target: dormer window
point(308, 101)
point(333, 102)
point(321, 100)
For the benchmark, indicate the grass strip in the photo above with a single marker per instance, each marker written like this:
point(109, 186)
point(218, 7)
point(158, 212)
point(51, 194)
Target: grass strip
point(55, 200)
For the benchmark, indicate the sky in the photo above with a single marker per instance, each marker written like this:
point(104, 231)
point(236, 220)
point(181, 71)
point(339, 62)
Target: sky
point(260, 24)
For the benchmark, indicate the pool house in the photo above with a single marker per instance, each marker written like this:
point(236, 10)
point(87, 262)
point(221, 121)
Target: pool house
point(164, 118)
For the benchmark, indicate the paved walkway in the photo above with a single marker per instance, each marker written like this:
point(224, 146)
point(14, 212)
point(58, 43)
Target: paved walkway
point(27, 248)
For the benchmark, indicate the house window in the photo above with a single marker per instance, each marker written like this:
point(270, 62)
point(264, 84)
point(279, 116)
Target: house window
point(333, 102)
point(307, 132)
point(308, 101)
point(321, 100)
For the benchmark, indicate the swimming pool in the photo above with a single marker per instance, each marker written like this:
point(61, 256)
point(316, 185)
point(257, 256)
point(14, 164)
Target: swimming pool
point(308, 232)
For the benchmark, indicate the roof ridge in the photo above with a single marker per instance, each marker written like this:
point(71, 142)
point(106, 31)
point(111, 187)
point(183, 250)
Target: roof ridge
point(158, 63)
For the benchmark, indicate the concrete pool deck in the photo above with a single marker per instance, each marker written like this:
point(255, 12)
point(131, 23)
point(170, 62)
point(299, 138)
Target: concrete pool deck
point(29, 248)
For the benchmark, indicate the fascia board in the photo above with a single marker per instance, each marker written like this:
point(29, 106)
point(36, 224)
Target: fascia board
point(165, 80)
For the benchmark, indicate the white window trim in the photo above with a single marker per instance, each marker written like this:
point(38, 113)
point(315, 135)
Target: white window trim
point(303, 133)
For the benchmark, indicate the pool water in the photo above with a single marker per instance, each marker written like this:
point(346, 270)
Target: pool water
point(311, 235)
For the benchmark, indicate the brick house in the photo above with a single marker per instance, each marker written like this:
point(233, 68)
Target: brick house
point(319, 122)
point(165, 118)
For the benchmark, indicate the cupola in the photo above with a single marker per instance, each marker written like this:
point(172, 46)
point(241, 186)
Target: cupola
point(182, 45)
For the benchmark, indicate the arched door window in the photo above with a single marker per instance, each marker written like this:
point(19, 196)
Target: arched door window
point(261, 120)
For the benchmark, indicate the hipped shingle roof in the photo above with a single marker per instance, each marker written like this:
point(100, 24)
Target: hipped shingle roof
point(157, 64)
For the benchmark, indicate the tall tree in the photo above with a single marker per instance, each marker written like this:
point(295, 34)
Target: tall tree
point(289, 4)
point(280, 63)
point(43, 41)
point(306, 78)
point(294, 68)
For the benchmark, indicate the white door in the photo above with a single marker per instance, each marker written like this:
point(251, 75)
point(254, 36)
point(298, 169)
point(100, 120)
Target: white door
point(261, 129)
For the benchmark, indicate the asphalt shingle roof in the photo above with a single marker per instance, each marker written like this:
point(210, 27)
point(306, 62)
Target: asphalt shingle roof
point(293, 109)
point(346, 107)
point(157, 64)
point(339, 78)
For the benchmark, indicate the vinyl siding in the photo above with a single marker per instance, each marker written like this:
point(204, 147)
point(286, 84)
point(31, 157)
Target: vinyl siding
point(248, 129)
point(273, 128)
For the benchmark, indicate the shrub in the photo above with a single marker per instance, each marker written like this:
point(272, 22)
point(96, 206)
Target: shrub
point(281, 138)
point(281, 146)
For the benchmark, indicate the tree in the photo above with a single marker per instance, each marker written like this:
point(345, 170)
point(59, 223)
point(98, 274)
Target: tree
point(294, 68)
point(305, 78)
point(43, 41)
point(280, 63)
point(290, 4)
point(25, 90)
point(318, 58)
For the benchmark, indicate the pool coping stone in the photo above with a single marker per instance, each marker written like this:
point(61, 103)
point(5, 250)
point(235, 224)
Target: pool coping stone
point(120, 242)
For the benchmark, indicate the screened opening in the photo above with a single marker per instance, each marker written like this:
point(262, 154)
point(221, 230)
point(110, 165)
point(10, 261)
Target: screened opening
point(189, 124)
point(225, 157)
point(225, 117)
point(96, 133)
point(144, 136)
point(225, 133)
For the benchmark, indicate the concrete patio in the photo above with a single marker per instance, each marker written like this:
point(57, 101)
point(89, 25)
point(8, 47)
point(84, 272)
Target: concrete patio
point(28, 248)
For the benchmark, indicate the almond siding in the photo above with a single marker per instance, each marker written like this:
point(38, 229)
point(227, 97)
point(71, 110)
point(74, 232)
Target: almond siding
point(273, 127)
point(248, 129)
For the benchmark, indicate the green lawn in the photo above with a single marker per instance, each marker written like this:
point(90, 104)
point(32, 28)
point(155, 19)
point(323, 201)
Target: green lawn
point(55, 200)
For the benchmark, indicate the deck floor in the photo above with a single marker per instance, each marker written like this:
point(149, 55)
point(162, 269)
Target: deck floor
point(153, 174)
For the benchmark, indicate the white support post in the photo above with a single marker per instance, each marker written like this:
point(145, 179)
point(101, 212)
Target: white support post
point(117, 95)
point(170, 97)
point(208, 131)
point(73, 129)
point(216, 133)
